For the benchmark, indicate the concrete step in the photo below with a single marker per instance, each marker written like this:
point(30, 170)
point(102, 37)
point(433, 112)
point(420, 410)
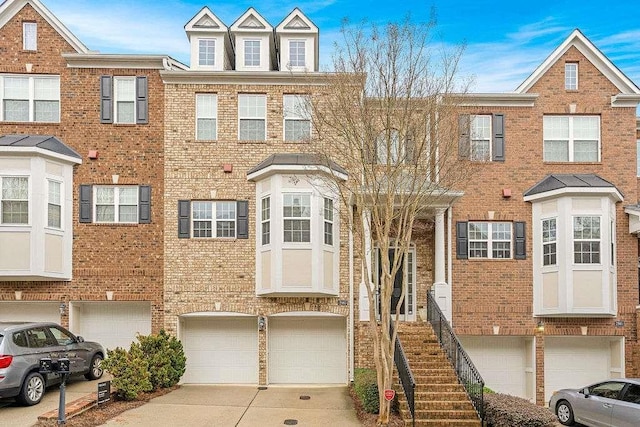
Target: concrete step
point(443, 423)
point(428, 414)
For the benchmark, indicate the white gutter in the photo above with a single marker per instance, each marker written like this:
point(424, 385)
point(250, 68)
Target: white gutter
point(351, 310)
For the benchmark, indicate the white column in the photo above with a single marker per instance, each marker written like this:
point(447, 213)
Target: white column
point(440, 286)
point(366, 279)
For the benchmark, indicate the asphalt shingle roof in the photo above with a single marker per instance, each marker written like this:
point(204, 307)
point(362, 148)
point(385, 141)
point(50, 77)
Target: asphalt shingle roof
point(45, 142)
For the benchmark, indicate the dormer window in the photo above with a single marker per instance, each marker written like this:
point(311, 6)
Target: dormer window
point(297, 53)
point(252, 53)
point(29, 36)
point(206, 52)
point(571, 76)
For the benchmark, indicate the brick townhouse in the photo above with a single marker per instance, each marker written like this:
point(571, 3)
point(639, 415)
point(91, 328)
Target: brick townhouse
point(81, 172)
point(194, 203)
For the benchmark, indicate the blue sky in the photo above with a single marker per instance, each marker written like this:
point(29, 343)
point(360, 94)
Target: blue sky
point(505, 40)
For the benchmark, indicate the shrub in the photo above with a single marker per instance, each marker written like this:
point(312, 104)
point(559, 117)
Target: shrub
point(130, 371)
point(165, 357)
point(365, 385)
point(503, 410)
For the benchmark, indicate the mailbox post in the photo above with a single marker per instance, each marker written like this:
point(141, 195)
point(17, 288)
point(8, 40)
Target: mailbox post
point(59, 366)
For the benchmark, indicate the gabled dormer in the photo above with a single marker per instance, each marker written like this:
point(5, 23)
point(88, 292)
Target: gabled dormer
point(210, 44)
point(297, 42)
point(252, 37)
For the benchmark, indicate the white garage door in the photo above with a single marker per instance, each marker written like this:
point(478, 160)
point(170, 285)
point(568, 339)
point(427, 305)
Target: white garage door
point(220, 350)
point(112, 324)
point(307, 350)
point(502, 362)
point(572, 362)
point(30, 311)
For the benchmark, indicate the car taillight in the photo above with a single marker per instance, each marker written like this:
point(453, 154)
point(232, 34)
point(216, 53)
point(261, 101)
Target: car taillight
point(5, 361)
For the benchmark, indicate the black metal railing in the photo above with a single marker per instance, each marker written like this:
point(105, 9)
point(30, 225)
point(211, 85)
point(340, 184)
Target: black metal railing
point(467, 373)
point(405, 375)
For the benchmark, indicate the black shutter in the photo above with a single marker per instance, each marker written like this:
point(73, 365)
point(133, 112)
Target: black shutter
point(106, 99)
point(86, 214)
point(242, 220)
point(498, 138)
point(521, 240)
point(409, 150)
point(464, 142)
point(142, 100)
point(462, 246)
point(184, 219)
point(144, 204)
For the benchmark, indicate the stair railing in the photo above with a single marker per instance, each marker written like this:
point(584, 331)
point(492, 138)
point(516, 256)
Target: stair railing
point(467, 373)
point(405, 375)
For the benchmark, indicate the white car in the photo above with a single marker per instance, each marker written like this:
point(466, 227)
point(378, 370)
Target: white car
point(611, 403)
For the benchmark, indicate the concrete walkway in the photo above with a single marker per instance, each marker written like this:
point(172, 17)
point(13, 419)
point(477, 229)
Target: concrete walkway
point(245, 406)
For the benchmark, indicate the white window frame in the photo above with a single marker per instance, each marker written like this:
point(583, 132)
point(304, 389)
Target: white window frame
point(117, 80)
point(296, 110)
point(328, 229)
point(218, 210)
point(549, 242)
point(26, 200)
point(300, 219)
point(409, 269)
point(250, 55)
point(117, 204)
point(30, 96)
point(294, 52)
point(203, 114)
point(207, 52)
point(30, 36)
point(265, 220)
point(571, 76)
point(579, 257)
point(494, 243)
point(396, 147)
point(252, 112)
point(638, 157)
point(480, 133)
point(55, 202)
point(571, 138)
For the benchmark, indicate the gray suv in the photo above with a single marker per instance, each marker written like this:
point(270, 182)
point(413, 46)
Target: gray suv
point(23, 344)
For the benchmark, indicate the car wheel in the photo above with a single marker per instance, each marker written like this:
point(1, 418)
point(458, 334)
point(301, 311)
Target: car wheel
point(32, 389)
point(95, 369)
point(564, 413)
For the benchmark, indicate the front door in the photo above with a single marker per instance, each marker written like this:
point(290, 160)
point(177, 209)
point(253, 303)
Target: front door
point(406, 308)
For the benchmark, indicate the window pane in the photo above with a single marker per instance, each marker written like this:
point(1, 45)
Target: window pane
point(252, 106)
point(16, 88)
point(478, 250)
point(225, 229)
point(297, 130)
point(53, 216)
point(266, 233)
point(206, 129)
point(297, 53)
point(585, 151)
point(125, 112)
point(47, 88)
point(105, 195)
point(206, 52)
point(125, 89)
point(128, 213)
point(16, 111)
point(15, 188)
point(202, 210)
point(478, 231)
point(556, 151)
point(586, 127)
point(29, 36)
point(555, 127)
point(297, 107)
point(328, 233)
point(128, 195)
point(297, 230)
point(571, 76)
point(480, 150)
point(252, 130)
point(328, 209)
point(202, 229)
point(46, 111)
point(226, 210)
point(252, 53)
point(105, 213)
point(14, 212)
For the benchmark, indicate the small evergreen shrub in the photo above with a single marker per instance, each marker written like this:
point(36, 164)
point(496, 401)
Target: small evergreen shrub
point(130, 371)
point(365, 385)
point(503, 410)
point(166, 359)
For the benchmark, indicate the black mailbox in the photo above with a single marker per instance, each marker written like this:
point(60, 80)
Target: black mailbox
point(45, 365)
point(63, 365)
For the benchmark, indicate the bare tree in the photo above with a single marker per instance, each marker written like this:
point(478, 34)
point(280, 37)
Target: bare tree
point(389, 118)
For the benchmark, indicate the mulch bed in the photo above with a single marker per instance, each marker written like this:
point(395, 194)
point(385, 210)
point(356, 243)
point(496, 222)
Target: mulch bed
point(370, 420)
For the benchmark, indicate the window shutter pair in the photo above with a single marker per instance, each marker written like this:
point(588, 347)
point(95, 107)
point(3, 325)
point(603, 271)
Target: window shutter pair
point(497, 138)
point(520, 244)
point(184, 219)
point(106, 100)
point(144, 204)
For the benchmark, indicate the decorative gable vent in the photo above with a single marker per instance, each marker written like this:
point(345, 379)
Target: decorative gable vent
point(297, 24)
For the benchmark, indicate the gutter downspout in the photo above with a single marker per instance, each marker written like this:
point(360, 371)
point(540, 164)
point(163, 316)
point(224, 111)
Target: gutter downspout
point(351, 308)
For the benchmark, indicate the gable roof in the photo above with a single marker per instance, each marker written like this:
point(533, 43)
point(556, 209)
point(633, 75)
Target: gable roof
point(30, 143)
point(205, 21)
point(251, 20)
point(593, 54)
point(296, 21)
point(10, 8)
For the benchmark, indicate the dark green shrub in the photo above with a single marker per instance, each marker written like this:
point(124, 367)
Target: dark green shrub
point(365, 385)
point(130, 371)
point(166, 359)
point(503, 410)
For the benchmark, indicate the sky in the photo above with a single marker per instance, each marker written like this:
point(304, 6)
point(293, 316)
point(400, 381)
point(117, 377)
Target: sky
point(504, 40)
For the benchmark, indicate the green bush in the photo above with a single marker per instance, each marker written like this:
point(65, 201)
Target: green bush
point(165, 357)
point(503, 410)
point(365, 385)
point(130, 371)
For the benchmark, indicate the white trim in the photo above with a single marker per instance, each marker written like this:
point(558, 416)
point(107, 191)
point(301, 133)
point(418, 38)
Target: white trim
point(217, 314)
point(215, 115)
point(596, 191)
point(496, 99)
point(262, 96)
point(625, 100)
point(306, 314)
point(192, 27)
point(307, 169)
point(138, 62)
point(236, 26)
point(12, 149)
point(257, 78)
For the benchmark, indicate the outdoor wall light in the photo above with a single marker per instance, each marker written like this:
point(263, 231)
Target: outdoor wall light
point(540, 326)
point(262, 323)
point(62, 307)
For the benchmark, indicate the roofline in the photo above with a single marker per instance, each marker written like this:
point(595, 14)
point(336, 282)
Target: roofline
point(508, 99)
point(279, 168)
point(291, 13)
point(12, 149)
point(245, 77)
point(223, 29)
point(233, 28)
point(107, 60)
point(612, 191)
point(9, 8)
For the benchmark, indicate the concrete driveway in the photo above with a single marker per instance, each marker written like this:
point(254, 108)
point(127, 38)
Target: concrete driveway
point(12, 415)
point(245, 406)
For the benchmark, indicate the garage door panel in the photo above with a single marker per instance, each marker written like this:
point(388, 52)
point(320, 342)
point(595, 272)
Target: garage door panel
point(307, 350)
point(30, 312)
point(220, 350)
